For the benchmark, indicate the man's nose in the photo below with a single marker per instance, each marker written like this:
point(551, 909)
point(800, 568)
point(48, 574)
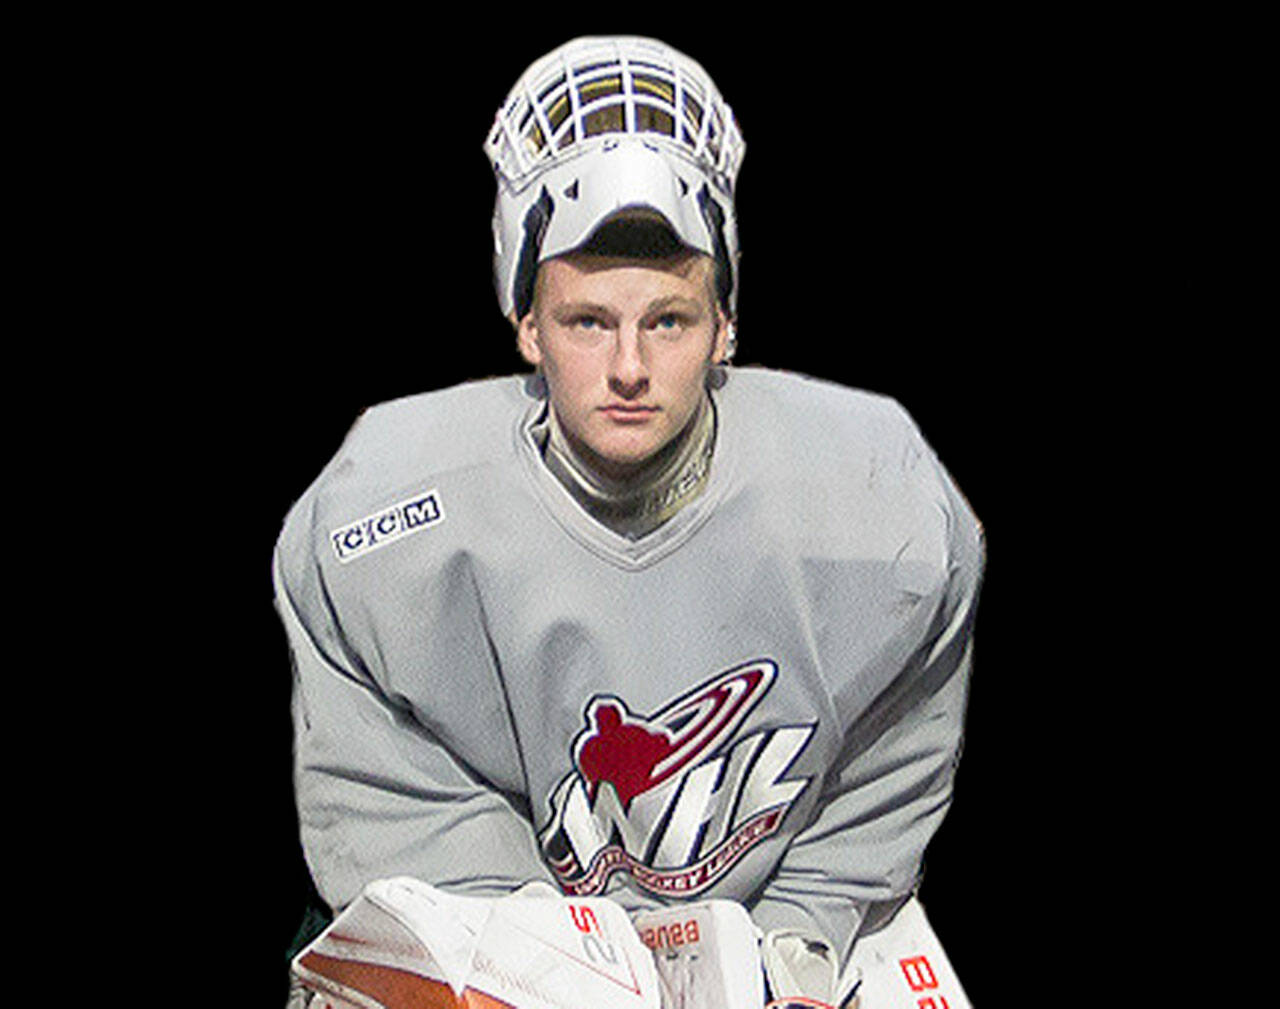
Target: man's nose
point(628, 372)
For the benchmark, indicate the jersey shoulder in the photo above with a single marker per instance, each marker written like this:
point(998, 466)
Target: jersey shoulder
point(819, 424)
point(831, 452)
point(399, 449)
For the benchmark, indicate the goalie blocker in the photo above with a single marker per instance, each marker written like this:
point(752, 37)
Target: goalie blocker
point(403, 944)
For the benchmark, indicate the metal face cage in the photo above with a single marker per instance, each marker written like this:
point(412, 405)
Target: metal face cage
point(592, 89)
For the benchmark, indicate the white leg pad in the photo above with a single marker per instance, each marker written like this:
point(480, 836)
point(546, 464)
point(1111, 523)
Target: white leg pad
point(904, 966)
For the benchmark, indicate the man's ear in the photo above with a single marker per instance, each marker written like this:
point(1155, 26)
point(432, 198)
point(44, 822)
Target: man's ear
point(527, 338)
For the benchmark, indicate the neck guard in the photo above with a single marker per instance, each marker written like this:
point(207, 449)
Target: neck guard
point(634, 507)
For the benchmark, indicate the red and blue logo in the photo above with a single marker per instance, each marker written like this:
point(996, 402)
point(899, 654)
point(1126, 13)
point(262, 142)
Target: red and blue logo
point(675, 797)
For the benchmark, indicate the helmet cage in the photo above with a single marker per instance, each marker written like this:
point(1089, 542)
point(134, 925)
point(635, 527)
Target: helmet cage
point(592, 88)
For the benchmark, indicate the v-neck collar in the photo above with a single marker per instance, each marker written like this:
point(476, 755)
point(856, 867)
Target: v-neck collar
point(616, 549)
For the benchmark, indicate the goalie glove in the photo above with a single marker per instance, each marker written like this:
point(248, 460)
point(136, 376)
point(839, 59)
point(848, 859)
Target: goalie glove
point(711, 955)
point(707, 955)
point(802, 969)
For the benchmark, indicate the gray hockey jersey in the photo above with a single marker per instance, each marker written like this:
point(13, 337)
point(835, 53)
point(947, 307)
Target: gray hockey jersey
point(761, 700)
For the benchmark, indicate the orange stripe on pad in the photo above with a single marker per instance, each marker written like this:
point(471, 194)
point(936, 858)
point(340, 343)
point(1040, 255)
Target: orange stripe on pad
point(395, 988)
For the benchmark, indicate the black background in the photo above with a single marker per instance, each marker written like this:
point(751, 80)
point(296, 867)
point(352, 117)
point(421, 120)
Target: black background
point(917, 213)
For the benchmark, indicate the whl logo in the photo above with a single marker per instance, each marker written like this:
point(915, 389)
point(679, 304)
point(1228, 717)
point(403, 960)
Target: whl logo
point(674, 798)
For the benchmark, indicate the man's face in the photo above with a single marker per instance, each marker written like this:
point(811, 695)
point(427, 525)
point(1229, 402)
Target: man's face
point(624, 345)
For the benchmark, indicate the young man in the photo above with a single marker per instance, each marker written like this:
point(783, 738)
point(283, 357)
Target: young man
point(640, 625)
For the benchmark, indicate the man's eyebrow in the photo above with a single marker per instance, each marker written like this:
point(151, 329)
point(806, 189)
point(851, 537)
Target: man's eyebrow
point(572, 308)
point(673, 300)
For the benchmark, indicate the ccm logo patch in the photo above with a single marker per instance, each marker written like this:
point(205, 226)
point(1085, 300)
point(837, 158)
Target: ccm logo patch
point(387, 526)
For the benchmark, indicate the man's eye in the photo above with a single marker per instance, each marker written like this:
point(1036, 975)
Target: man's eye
point(587, 322)
point(669, 322)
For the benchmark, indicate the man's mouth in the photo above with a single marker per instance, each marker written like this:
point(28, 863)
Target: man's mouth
point(629, 409)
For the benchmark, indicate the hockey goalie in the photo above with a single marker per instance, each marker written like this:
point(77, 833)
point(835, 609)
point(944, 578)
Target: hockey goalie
point(407, 945)
point(686, 642)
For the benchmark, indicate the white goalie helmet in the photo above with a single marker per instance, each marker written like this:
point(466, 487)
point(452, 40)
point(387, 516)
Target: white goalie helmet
point(602, 124)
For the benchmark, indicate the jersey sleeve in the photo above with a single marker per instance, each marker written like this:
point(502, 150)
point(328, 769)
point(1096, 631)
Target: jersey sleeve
point(891, 783)
point(378, 793)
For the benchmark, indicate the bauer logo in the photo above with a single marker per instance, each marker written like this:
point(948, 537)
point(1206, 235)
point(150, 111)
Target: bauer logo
point(409, 516)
